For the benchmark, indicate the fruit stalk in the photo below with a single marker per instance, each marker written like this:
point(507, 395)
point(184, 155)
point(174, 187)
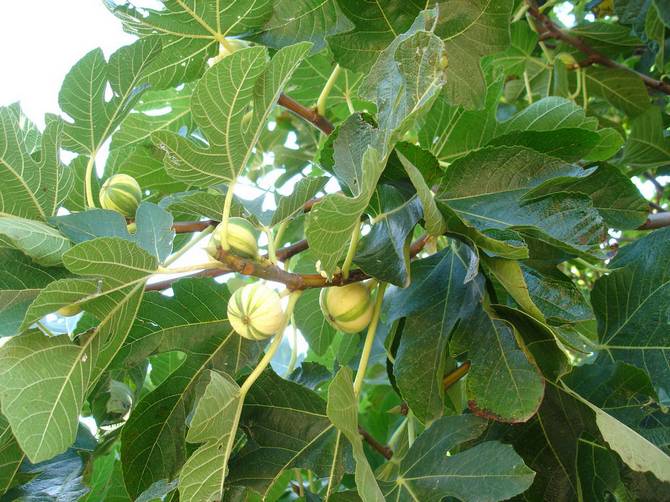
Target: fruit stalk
point(369, 340)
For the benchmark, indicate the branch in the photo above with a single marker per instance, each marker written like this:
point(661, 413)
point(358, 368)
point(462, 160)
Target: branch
point(656, 220)
point(310, 115)
point(382, 449)
point(265, 270)
point(184, 227)
point(548, 29)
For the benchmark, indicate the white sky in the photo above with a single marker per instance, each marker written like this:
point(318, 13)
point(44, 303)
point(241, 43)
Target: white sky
point(40, 40)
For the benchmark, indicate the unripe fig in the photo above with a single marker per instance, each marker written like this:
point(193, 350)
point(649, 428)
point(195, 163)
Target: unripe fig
point(242, 237)
point(121, 193)
point(347, 308)
point(69, 310)
point(255, 313)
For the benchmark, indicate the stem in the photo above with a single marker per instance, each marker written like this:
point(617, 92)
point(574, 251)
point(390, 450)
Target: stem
point(253, 376)
point(529, 91)
point(294, 348)
point(298, 478)
point(227, 204)
point(593, 267)
point(585, 96)
point(369, 340)
point(46, 330)
point(318, 121)
point(453, 377)
point(574, 95)
point(352, 250)
point(272, 254)
point(397, 433)
point(280, 232)
point(189, 245)
point(189, 268)
point(411, 431)
point(88, 181)
point(323, 97)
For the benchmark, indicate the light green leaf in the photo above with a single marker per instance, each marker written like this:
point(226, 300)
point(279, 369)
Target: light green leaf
point(435, 224)
point(153, 439)
point(190, 32)
point(413, 81)
point(428, 473)
point(548, 114)
point(44, 380)
point(168, 110)
point(45, 427)
point(330, 223)
point(76, 199)
point(636, 451)
point(42, 243)
point(303, 21)
point(219, 104)
point(291, 205)
point(11, 456)
point(91, 119)
point(203, 474)
point(145, 164)
point(376, 25)
point(30, 188)
point(342, 411)
point(471, 29)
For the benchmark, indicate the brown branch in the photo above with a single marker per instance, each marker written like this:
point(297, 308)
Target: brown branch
point(547, 29)
point(309, 114)
point(263, 269)
point(656, 220)
point(384, 450)
point(185, 227)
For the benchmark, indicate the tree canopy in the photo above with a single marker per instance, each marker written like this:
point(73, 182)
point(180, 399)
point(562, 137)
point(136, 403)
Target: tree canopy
point(343, 250)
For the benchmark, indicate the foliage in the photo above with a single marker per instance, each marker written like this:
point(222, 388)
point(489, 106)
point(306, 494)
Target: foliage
point(472, 166)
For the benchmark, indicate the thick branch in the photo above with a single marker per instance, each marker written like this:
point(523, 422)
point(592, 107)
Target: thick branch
point(548, 29)
point(656, 220)
point(310, 115)
point(263, 269)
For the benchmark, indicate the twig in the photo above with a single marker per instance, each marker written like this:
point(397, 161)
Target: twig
point(310, 115)
point(548, 29)
point(453, 377)
point(184, 227)
point(384, 450)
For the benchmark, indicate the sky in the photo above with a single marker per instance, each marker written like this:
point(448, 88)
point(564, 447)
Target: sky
point(40, 40)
